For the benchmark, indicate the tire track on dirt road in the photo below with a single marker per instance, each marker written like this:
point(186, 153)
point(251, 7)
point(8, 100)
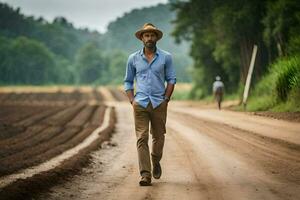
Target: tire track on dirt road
point(232, 176)
point(247, 170)
point(277, 129)
point(203, 159)
point(115, 175)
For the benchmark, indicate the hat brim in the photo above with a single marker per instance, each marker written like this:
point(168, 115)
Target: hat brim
point(139, 33)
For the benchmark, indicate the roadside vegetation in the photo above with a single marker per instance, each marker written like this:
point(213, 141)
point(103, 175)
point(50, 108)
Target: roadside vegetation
point(278, 90)
point(222, 36)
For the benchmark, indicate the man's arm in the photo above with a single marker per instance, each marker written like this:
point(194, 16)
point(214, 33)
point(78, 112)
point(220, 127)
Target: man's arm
point(129, 80)
point(169, 91)
point(170, 78)
point(130, 95)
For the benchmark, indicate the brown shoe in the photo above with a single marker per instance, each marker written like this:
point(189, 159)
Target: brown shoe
point(145, 181)
point(156, 171)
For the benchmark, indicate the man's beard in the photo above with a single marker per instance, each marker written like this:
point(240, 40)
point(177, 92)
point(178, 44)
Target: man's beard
point(150, 45)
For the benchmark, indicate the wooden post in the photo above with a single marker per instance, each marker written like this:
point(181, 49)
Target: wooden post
point(249, 76)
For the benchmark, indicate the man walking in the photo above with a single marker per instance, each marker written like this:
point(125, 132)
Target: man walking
point(218, 90)
point(151, 67)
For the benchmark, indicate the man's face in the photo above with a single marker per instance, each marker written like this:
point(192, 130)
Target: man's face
point(149, 39)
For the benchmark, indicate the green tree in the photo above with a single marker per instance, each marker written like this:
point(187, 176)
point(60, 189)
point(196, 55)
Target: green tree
point(192, 23)
point(282, 27)
point(5, 55)
point(65, 44)
point(117, 63)
point(25, 61)
point(31, 62)
point(222, 34)
point(64, 70)
point(91, 64)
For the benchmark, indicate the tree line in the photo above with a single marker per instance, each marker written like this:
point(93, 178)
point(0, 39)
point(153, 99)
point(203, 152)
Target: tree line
point(222, 34)
point(35, 51)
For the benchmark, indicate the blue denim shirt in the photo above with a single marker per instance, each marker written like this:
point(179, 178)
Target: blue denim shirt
point(150, 77)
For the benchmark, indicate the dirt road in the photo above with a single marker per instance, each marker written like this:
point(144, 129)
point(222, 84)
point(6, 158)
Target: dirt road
point(209, 154)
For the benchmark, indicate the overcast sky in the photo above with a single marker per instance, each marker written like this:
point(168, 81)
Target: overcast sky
point(93, 14)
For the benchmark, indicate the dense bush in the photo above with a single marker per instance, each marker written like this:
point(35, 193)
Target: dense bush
point(286, 72)
point(280, 86)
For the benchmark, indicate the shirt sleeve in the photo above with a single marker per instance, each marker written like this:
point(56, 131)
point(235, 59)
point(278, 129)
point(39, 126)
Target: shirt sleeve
point(170, 74)
point(214, 87)
point(129, 75)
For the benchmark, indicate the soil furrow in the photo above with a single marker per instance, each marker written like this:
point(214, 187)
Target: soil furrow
point(29, 133)
point(83, 116)
point(36, 118)
point(63, 117)
point(97, 118)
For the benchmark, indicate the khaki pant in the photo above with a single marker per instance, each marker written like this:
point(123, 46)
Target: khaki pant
point(157, 119)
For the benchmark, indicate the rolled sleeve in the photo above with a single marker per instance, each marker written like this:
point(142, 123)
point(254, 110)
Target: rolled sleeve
point(129, 75)
point(170, 75)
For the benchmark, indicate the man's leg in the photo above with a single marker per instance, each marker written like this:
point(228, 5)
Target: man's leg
point(141, 119)
point(158, 130)
point(219, 100)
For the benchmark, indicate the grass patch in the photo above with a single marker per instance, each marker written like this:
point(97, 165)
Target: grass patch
point(181, 95)
point(279, 90)
point(182, 91)
point(260, 104)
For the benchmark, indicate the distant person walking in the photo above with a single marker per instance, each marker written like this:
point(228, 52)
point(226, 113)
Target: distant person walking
point(150, 67)
point(218, 91)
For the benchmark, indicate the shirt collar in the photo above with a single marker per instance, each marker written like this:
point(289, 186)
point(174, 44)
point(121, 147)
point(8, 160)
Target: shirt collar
point(157, 52)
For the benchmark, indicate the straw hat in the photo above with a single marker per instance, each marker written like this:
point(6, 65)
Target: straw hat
point(148, 27)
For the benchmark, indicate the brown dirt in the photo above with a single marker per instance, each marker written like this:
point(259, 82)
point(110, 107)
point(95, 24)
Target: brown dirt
point(49, 96)
point(34, 129)
point(118, 95)
point(31, 187)
point(230, 105)
point(209, 154)
point(288, 116)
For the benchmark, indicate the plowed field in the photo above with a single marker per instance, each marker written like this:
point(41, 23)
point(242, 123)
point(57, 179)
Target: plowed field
point(38, 126)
